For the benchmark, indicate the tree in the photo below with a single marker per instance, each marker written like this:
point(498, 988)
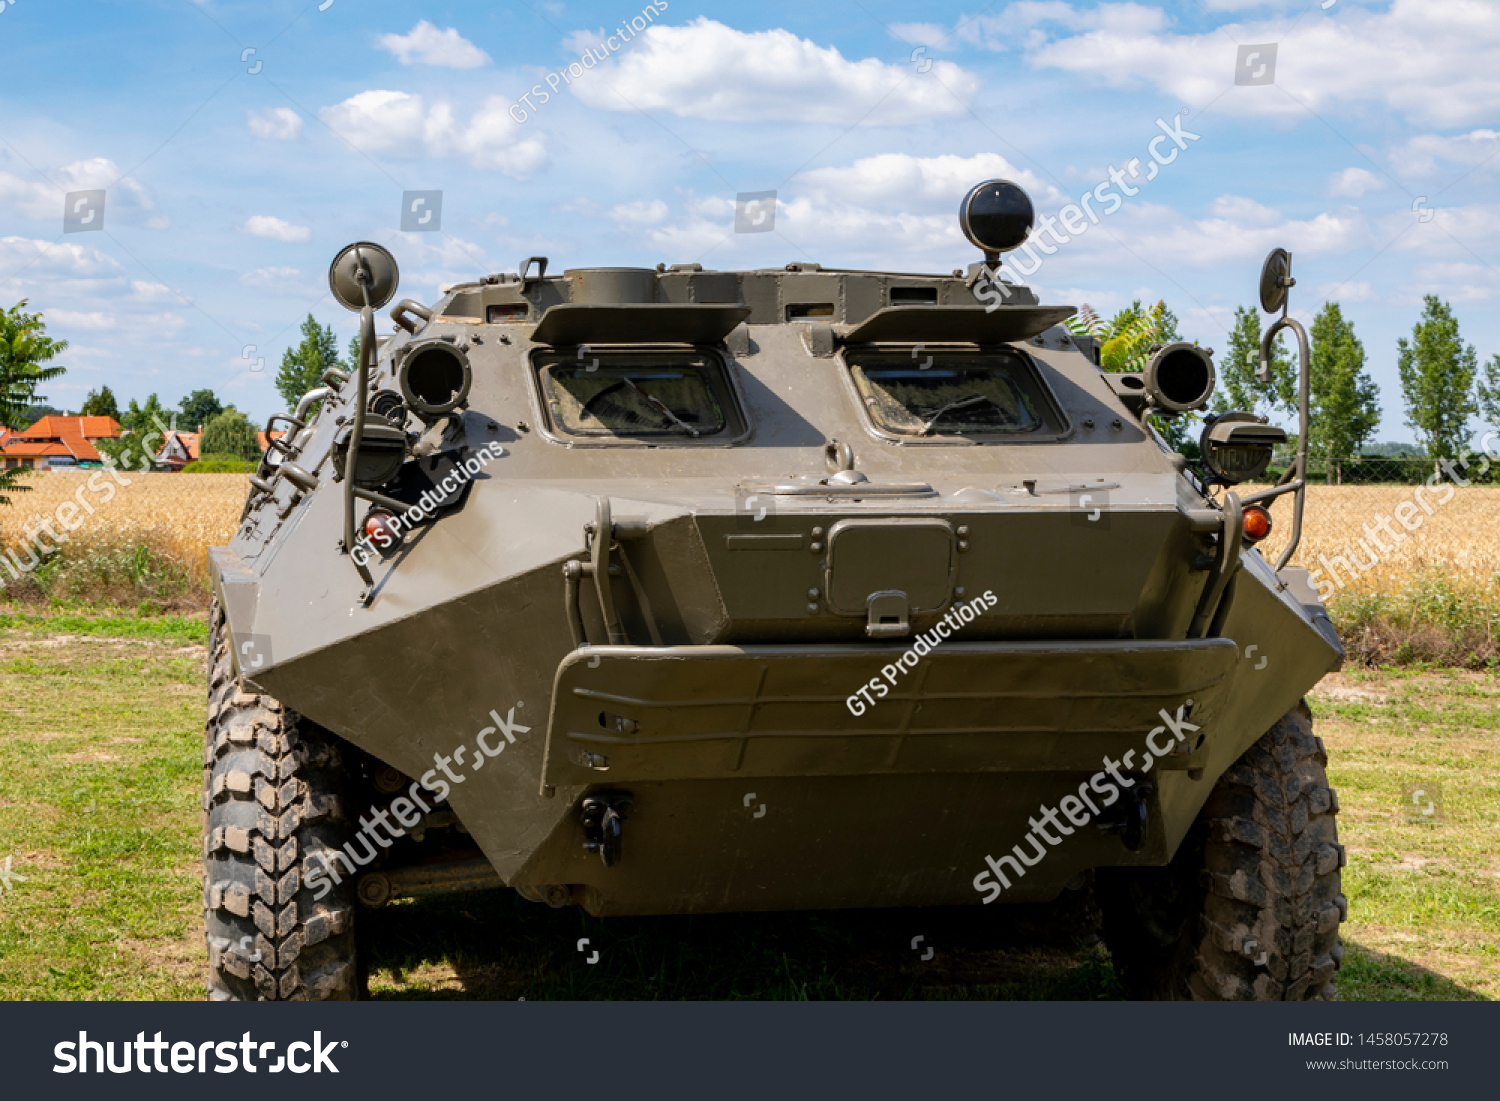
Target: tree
point(230, 433)
point(100, 403)
point(1345, 401)
point(1437, 379)
point(302, 367)
point(198, 408)
point(353, 360)
point(24, 348)
point(143, 430)
point(33, 413)
point(1488, 392)
point(1239, 371)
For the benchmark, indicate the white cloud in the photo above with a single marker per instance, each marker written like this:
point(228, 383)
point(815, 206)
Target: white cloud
point(709, 71)
point(426, 45)
point(892, 208)
point(275, 123)
point(644, 212)
point(1346, 292)
point(100, 321)
point(141, 291)
point(933, 182)
point(1017, 25)
point(437, 263)
point(1420, 156)
point(42, 200)
point(1430, 60)
point(1352, 183)
point(400, 124)
point(933, 35)
point(275, 280)
point(51, 258)
point(264, 225)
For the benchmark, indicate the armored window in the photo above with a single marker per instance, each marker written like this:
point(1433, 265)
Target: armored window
point(663, 398)
point(989, 394)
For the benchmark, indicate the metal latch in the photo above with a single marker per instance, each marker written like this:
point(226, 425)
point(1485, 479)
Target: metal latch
point(889, 615)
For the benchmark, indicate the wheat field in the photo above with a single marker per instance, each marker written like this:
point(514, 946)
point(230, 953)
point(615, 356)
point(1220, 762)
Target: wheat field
point(178, 515)
point(1458, 536)
point(183, 514)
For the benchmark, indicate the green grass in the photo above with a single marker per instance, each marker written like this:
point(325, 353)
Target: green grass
point(101, 719)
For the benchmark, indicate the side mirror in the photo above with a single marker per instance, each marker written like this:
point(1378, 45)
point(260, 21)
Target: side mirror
point(363, 274)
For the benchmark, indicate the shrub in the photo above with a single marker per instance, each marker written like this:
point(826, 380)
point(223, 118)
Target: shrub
point(220, 464)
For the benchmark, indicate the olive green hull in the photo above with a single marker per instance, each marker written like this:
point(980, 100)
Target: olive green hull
point(896, 806)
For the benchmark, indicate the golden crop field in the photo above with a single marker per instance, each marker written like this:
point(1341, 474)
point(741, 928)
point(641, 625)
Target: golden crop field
point(1458, 535)
point(184, 514)
point(179, 514)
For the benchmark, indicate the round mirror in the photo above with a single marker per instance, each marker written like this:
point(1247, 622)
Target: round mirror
point(1275, 280)
point(996, 216)
point(362, 265)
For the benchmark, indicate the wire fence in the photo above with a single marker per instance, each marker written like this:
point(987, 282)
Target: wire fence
point(1382, 470)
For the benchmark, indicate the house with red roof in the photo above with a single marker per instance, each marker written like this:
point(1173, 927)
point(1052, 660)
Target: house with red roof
point(57, 441)
point(178, 449)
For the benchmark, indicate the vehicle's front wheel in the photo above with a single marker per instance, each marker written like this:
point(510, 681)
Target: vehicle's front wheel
point(273, 814)
point(1249, 909)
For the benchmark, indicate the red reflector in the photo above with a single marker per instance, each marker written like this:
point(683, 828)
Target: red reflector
point(1257, 523)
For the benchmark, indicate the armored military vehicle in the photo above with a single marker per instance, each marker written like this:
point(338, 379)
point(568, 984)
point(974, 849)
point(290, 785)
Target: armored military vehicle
point(681, 591)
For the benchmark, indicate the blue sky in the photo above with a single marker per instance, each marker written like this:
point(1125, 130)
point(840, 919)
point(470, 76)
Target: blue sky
point(1372, 156)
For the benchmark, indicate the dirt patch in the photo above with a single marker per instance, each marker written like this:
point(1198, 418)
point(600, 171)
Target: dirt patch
point(184, 959)
point(88, 757)
point(1348, 693)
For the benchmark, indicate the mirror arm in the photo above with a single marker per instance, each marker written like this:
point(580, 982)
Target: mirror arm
point(1298, 477)
point(351, 456)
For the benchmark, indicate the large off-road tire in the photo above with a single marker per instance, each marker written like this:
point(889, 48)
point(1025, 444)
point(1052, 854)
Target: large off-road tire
point(273, 810)
point(1249, 909)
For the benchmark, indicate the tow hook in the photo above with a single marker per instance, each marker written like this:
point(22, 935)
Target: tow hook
point(603, 815)
point(1130, 817)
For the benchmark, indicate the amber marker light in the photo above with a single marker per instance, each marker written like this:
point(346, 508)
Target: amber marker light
point(1257, 523)
point(381, 530)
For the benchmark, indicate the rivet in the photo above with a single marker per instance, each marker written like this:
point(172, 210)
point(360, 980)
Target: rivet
point(817, 531)
point(812, 594)
point(964, 530)
point(812, 607)
point(817, 547)
point(1116, 424)
point(963, 544)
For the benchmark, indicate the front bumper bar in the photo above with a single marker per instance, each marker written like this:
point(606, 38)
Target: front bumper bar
point(627, 713)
